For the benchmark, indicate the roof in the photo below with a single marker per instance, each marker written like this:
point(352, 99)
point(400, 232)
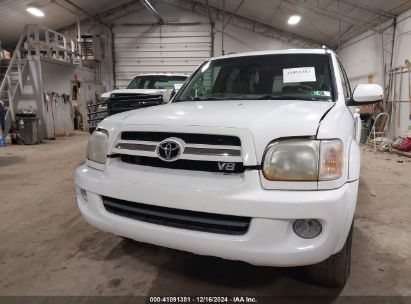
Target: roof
point(275, 52)
point(323, 21)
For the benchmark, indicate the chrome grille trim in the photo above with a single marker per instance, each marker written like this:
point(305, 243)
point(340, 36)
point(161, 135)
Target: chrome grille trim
point(194, 150)
point(211, 151)
point(137, 147)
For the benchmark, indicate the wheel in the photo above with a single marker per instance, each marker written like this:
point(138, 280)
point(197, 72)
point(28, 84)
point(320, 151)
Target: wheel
point(335, 270)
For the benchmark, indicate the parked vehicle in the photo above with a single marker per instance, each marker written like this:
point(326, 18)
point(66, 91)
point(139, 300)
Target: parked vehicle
point(144, 90)
point(256, 159)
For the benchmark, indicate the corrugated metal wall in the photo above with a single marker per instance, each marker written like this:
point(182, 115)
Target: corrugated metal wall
point(159, 49)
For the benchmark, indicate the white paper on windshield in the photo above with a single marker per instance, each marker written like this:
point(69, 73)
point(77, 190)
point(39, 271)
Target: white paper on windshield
point(299, 75)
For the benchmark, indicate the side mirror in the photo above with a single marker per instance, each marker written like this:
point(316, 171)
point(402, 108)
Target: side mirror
point(168, 95)
point(365, 94)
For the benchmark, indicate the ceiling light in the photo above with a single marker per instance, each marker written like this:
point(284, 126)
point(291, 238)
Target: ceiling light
point(293, 20)
point(35, 11)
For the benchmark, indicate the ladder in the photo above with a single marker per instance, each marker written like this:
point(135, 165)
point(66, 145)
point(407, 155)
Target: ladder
point(11, 87)
point(4, 64)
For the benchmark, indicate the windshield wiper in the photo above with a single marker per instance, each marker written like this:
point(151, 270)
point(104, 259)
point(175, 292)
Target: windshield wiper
point(287, 97)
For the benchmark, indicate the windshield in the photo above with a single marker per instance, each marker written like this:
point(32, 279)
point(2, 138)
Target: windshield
point(285, 76)
point(159, 82)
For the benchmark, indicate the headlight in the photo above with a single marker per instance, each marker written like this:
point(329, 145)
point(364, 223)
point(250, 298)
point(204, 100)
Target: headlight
point(292, 160)
point(97, 146)
point(303, 160)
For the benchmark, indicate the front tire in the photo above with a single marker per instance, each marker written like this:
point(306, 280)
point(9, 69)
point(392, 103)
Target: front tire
point(335, 270)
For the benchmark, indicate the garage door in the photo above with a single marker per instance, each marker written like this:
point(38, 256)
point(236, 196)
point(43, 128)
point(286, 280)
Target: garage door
point(159, 49)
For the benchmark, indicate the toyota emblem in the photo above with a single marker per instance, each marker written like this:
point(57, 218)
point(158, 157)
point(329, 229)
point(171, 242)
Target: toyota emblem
point(170, 149)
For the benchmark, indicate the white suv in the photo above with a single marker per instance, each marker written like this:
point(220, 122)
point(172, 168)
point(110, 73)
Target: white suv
point(256, 159)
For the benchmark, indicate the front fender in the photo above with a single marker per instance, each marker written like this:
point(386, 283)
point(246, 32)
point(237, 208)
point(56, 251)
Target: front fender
point(354, 161)
point(357, 118)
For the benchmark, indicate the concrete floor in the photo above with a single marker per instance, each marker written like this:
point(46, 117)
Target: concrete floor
point(46, 248)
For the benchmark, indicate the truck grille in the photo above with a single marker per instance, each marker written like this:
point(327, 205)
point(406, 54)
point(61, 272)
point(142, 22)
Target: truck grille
point(179, 218)
point(189, 138)
point(121, 102)
point(201, 152)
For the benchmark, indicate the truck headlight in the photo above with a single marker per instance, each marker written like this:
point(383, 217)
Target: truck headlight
point(98, 146)
point(303, 160)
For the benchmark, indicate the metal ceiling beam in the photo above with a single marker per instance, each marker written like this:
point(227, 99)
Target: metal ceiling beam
point(121, 11)
point(252, 25)
point(369, 9)
point(79, 8)
point(234, 13)
point(164, 23)
point(108, 16)
point(209, 14)
point(152, 10)
point(65, 7)
point(211, 27)
point(353, 31)
point(331, 14)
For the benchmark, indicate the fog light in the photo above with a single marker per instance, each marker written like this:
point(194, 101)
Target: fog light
point(83, 194)
point(307, 228)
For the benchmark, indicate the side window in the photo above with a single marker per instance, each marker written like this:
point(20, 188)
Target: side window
point(345, 81)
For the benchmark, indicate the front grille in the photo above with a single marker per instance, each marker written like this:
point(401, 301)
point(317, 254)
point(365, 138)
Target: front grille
point(121, 102)
point(184, 219)
point(182, 164)
point(189, 138)
point(197, 152)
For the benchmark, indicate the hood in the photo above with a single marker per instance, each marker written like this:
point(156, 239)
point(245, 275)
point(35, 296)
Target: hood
point(266, 120)
point(133, 91)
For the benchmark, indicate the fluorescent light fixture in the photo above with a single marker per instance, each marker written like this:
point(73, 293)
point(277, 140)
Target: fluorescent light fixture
point(35, 11)
point(293, 20)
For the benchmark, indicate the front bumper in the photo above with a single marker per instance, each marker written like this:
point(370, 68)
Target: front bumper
point(270, 240)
